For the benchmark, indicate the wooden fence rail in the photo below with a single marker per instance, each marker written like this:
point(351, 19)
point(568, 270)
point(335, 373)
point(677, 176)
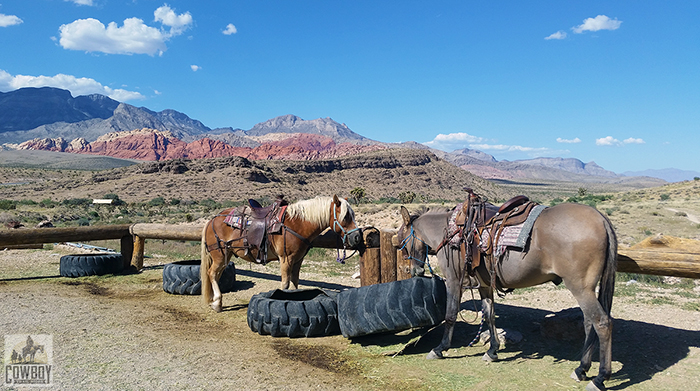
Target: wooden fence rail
point(380, 262)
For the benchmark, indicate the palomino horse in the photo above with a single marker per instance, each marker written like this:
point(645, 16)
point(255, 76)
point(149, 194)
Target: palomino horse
point(572, 243)
point(303, 221)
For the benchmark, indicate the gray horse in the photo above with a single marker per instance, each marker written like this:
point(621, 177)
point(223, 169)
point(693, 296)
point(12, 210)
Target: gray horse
point(572, 243)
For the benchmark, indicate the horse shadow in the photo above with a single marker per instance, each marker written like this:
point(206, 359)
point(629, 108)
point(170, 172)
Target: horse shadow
point(644, 349)
point(274, 277)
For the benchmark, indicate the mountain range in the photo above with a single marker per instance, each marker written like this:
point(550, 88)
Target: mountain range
point(51, 119)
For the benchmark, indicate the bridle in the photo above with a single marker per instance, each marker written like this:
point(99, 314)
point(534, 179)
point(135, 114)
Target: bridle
point(349, 239)
point(411, 240)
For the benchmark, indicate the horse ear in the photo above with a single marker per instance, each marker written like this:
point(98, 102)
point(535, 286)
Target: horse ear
point(405, 215)
point(336, 200)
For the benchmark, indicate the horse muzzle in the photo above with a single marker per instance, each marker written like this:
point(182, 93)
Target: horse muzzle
point(353, 239)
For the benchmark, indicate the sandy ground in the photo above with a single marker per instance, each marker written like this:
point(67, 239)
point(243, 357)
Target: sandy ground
point(125, 333)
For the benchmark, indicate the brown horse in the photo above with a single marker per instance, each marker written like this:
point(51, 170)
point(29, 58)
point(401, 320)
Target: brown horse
point(303, 221)
point(572, 243)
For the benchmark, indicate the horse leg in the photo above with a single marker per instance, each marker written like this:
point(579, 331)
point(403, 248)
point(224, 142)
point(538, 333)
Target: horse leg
point(285, 273)
point(211, 267)
point(487, 308)
point(454, 299)
point(598, 326)
point(296, 270)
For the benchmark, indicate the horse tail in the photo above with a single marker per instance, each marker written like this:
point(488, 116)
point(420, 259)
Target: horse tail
point(607, 281)
point(206, 262)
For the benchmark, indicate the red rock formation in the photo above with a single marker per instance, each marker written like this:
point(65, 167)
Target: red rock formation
point(149, 144)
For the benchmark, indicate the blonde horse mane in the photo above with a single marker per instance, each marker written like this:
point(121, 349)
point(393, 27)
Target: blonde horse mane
point(317, 210)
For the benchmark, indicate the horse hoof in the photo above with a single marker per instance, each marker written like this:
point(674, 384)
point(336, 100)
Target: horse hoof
point(489, 358)
point(578, 374)
point(216, 307)
point(433, 355)
point(593, 387)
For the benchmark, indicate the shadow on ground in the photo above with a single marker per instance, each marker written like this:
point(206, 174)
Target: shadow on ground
point(644, 349)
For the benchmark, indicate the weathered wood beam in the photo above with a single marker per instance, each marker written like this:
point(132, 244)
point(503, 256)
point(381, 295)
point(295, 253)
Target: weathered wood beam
point(660, 263)
point(64, 234)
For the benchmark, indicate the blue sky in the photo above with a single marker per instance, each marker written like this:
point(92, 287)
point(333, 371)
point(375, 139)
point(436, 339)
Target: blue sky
point(617, 83)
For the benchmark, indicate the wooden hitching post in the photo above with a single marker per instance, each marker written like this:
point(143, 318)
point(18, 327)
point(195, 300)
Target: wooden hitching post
point(137, 258)
point(388, 256)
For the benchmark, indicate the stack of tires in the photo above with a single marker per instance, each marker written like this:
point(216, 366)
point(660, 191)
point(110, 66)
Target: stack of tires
point(380, 308)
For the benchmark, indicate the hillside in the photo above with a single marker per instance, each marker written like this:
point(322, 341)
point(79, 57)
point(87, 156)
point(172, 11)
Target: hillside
point(382, 174)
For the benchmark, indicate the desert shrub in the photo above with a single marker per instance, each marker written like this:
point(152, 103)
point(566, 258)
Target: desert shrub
point(158, 201)
point(664, 197)
point(407, 197)
point(231, 204)
point(115, 199)
point(388, 200)
point(76, 202)
point(174, 201)
point(83, 222)
point(48, 203)
point(209, 203)
point(358, 195)
point(27, 202)
point(8, 204)
point(556, 201)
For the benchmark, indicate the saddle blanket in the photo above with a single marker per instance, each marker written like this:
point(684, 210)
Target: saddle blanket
point(512, 236)
point(452, 226)
point(235, 220)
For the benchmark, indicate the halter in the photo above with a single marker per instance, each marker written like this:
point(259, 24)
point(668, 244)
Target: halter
point(345, 232)
point(412, 238)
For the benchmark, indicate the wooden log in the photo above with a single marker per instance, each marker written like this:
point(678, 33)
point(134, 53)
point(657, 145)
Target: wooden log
point(370, 263)
point(23, 247)
point(660, 263)
point(64, 234)
point(387, 256)
point(167, 231)
point(403, 266)
point(137, 257)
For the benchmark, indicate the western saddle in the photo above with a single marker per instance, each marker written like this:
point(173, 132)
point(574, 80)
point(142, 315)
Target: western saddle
point(257, 221)
point(478, 216)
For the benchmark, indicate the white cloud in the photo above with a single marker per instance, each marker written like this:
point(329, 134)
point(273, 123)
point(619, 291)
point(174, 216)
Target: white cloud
point(558, 35)
point(600, 22)
point(81, 2)
point(195, 68)
point(133, 37)
point(9, 20)
point(453, 141)
point(568, 141)
point(177, 23)
point(230, 29)
point(76, 85)
point(633, 140)
point(606, 141)
point(508, 148)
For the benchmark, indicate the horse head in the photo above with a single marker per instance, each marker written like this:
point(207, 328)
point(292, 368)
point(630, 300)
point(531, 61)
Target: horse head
point(411, 243)
point(343, 223)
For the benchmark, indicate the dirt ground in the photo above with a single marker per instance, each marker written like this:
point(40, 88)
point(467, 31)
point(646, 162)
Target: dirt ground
point(123, 332)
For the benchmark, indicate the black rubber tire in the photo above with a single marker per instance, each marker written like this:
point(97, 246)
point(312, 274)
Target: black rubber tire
point(182, 278)
point(293, 313)
point(392, 306)
point(81, 265)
